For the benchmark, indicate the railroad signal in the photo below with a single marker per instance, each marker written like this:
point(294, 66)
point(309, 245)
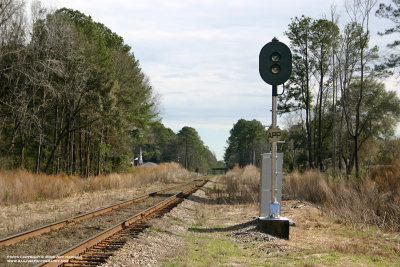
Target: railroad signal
point(275, 62)
point(275, 67)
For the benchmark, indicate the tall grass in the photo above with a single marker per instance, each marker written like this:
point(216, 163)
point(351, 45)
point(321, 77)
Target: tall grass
point(372, 200)
point(19, 186)
point(311, 186)
point(239, 186)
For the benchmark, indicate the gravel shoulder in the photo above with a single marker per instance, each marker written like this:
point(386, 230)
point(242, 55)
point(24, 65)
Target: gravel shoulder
point(164, 236)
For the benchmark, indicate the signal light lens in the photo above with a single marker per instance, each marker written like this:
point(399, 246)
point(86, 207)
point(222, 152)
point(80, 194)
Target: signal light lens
point(275, 57)
point(275, 69)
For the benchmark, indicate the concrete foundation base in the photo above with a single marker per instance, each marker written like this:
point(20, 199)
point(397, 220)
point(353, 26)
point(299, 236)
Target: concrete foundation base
point(278, 227)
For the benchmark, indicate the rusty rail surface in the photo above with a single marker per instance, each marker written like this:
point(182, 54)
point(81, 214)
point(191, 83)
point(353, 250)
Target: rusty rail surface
point(12, 239)
point(105, 238)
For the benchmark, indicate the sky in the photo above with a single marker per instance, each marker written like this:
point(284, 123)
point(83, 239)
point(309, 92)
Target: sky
point(201, 56)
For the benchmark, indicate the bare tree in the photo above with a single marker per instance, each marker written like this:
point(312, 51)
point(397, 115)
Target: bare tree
point(334, 46)
point(14, 101)
point(355, 59)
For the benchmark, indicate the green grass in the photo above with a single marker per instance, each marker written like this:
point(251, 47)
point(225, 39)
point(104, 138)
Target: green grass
point(198, 223)
point(216, 249)
point(325, 258)
point(207, 250)
point(371, 231)
point(154, 230)
point(174, 219)
point(212, 250)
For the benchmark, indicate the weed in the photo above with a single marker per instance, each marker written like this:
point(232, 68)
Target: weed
point(154, 230)
point(6, 196)
point(39, 197)
point(196, 224)
point(174, 219)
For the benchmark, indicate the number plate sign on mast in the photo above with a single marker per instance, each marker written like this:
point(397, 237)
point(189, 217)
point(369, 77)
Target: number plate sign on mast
point(274, 134)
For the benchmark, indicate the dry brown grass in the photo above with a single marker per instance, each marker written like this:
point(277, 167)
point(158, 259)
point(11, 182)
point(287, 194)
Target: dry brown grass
point(20, 186)
point(367, 201)
point(239, 186)
point(311, 186)
point(388, 178)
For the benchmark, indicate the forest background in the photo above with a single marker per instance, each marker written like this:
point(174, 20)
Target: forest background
point(73, 98)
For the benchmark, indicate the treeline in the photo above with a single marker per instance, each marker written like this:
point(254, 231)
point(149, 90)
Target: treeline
point(73, 98)
point(247, 141)
point(72, 93)
point(161, 144)
point(341, 116)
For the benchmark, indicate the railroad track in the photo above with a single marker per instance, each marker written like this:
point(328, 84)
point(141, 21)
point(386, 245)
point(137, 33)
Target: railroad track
point(103, 236)
point(12, 239)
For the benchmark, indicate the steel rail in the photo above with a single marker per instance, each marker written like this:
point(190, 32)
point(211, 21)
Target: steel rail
point(85, 245)
point(12, 239)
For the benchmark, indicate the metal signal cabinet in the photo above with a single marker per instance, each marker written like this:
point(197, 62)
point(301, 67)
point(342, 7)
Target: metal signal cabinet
point(266, 183)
